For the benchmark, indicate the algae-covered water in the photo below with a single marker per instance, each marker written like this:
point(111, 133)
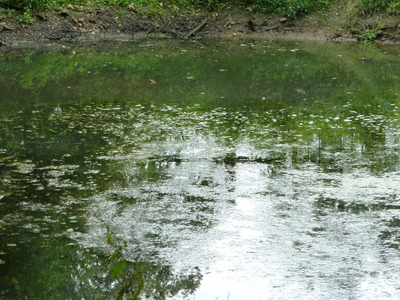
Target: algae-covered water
point(188, 170)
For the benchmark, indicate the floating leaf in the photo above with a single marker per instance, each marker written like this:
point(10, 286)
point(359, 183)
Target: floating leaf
point(301, 91)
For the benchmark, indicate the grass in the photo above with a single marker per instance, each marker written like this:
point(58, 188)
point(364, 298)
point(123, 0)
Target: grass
point(350, 10)
point(290, 8)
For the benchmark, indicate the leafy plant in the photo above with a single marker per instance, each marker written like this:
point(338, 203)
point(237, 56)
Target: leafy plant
point(295, 8)
point(371, 35)
point(27, 18)
point(289, 8)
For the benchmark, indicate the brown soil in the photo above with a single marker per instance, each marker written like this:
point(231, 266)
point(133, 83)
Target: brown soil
point(75, 23)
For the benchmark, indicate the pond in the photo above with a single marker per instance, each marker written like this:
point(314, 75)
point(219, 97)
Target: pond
point(200, 170)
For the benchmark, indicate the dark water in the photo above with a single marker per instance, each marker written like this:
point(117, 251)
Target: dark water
point(263, 170)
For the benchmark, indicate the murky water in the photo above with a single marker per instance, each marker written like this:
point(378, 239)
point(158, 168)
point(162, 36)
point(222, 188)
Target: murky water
point(263, 170)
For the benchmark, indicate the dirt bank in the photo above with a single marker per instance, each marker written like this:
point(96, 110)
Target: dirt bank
point(78, 23)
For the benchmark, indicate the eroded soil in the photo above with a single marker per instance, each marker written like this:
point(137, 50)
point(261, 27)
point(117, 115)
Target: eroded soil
point(78, 23)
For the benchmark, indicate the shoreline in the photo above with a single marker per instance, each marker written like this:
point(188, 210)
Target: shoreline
point(76, 25)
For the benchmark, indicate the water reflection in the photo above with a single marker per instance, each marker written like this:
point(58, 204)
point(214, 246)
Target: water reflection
point(225, 170)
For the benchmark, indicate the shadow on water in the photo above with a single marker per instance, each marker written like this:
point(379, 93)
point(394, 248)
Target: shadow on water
point(187, 170)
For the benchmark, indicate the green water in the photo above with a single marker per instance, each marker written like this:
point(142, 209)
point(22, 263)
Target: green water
point(224, 170)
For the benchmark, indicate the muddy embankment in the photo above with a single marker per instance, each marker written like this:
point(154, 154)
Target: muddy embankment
point(75, 23)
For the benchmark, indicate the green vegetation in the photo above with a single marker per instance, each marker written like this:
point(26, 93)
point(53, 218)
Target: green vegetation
point(370, 35)
point(289, 8)
point(26, 17)
point(380, 5)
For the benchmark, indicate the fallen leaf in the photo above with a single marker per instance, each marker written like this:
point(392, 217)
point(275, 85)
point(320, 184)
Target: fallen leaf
point(301, 91)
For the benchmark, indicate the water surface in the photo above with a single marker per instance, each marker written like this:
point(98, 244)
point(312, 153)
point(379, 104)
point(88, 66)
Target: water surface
point(222, 170)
